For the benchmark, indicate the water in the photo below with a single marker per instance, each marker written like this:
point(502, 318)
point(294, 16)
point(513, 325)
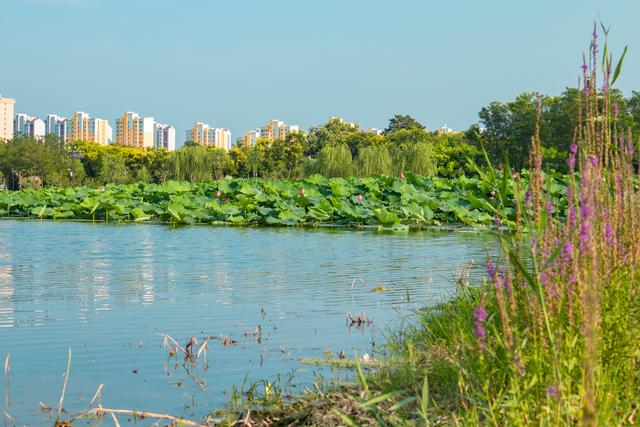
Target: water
point(106, 291)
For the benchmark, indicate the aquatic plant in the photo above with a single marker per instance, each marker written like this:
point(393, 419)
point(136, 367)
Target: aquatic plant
point(389, 202)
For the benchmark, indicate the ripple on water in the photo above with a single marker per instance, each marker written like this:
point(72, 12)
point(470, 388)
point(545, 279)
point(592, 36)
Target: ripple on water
point(107, 290)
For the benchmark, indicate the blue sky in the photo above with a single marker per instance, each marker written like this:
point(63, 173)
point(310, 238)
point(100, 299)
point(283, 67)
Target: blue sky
point(239, 63)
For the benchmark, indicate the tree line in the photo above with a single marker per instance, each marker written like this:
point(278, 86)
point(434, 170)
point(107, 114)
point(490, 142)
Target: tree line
point(332, 149)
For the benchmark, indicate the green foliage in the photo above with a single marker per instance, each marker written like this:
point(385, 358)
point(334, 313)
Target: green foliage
point(334, 160)
point(403, 122)
point(393, 203)
point(373, 160)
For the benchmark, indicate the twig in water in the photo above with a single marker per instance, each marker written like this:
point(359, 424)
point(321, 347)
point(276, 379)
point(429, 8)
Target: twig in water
point(115, 420)
point(140, 414)
point(7, 382)
point(64, 387)
point(95, 396)
point(168, 337)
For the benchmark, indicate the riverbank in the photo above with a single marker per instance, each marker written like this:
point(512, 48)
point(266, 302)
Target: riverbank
point(415, 380)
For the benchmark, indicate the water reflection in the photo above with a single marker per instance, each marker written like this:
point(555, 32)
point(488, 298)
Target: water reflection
point(108, 290)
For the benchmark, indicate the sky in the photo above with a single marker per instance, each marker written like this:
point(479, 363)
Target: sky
point(237, 64)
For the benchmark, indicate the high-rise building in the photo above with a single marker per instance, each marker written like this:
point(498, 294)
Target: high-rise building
point(32, 127)
point(6, 118)
point(135, 131)
point(223, 138)
point(274, 130)
point(165, 137)
point(81, 127)
point(56, 125)
point(78, 127)
point(250, 139)
point(100, 131)
point(202, 134)
point(277, 129)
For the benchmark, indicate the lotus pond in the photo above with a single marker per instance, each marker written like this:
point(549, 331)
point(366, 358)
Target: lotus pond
point(108, 291)
point(387, 202)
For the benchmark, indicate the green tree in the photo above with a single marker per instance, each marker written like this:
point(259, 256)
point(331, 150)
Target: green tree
point(335, 131)
point(373, 160)
point(402, 122)
point(334, 161)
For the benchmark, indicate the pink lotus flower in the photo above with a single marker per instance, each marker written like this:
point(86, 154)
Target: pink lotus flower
point(218, 193)
point(360, 197)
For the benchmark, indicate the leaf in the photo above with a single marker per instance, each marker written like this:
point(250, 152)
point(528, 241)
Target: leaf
point(618, 69)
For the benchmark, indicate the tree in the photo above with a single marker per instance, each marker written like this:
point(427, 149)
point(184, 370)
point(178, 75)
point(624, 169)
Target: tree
point(373, 160)
point(335, 131)
point(400, 122)
point(334, 161)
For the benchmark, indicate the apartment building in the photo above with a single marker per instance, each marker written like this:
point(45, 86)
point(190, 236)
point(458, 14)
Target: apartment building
point(132, 130)
point(7, 106)
point(32, 127)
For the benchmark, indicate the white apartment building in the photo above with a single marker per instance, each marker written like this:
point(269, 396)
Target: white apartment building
point(32, 127)
point(165, 137)
point(56, 125)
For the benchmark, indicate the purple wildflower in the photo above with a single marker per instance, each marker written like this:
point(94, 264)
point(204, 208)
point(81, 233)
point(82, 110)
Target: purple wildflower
point(569, 192)
point(572, 215)
point(567, 251)
point(586, 91)
point(491, 269)
point(573, 148)
point(549, 206)
point(479, 318)
point(552, 391)
point(594, 160)
point(571, 161)
point(616, 109)
point(527, 198)
point(608, 233)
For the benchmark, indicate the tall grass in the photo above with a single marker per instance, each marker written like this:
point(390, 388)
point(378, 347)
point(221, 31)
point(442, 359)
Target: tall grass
point(552, 337)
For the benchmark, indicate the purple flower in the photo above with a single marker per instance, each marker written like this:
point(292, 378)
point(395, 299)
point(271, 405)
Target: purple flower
point(573, 148)
point(491, 270)
point(549, 206)
point(567, 251)
point(527, 198)
point(616, 109)
point(594, 160)
point(572, 215)
point(497, 222)
point(608, 233)
point(479, 318)
point(552, 391)
point(571, 161)
point(569, 192)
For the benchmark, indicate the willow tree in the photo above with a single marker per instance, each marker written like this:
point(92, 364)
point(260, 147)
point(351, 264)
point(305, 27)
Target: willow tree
point(196, 164)
point(373, 160)
point(334, 160)
point(416, 158)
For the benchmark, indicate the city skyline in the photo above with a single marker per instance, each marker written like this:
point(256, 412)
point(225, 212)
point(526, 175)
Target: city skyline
point(417, 58)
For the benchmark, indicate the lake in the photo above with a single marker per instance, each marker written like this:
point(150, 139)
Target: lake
point(107, 291)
